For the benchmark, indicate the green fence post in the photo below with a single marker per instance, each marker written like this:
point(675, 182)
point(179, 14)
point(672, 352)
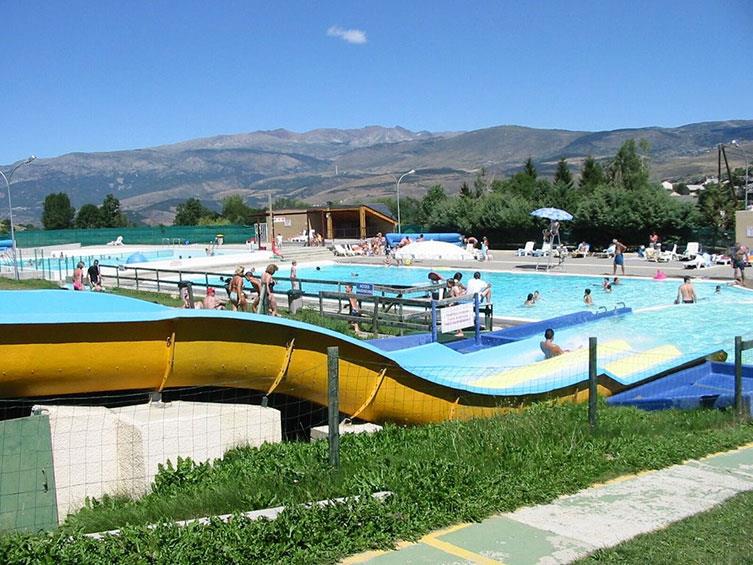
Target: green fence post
point(592, 390)
point(333, 403)
point(739, 376)
point(156, 272)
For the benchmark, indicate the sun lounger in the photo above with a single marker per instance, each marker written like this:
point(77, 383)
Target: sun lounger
point(546, 248)
point(700, 262)
point(666, 256)
point(340, 251)
point(608, 253)
point(582, 251)
point(527, 250)
point(691, 251)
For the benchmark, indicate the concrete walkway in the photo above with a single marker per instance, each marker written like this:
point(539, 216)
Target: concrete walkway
point(573, 526)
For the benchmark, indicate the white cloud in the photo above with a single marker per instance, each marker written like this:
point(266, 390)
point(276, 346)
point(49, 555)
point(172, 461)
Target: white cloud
point(355, 36)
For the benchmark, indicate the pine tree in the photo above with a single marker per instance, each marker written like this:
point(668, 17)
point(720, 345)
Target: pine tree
point(529, 169)
point(592, 174)
point(563, 176)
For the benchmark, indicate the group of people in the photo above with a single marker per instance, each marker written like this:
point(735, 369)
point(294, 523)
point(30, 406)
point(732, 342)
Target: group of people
point(93, 277)
point(454, 286)
point(260, 292)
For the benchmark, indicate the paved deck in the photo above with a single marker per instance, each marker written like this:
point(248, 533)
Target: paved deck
point(506, 260)
point(573, 526)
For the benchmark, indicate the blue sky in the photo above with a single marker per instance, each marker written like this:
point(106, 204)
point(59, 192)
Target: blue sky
point(106, 75)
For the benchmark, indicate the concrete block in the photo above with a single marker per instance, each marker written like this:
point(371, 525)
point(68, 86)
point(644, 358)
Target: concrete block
point(321, 432)
point(98, 451)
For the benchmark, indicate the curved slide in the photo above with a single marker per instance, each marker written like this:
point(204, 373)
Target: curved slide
point(56, 343)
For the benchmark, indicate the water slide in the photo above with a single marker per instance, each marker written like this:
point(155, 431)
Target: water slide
point(57, 342)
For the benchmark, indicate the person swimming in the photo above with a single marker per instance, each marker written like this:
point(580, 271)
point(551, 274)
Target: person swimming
point(587, 298)
point(529, 300)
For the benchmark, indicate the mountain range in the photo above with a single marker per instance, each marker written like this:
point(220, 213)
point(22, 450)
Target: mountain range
point(346, 165)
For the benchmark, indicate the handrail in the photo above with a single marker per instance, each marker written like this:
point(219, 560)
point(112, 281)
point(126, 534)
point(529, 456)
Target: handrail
point(620, 302)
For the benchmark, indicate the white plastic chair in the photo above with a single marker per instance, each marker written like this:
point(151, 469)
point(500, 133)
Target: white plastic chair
point(691, 251)
point(527, 250)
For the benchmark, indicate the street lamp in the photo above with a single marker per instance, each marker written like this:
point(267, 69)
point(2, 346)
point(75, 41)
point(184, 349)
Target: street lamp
point(7, 179)
point(747, 166)
point(397, 182)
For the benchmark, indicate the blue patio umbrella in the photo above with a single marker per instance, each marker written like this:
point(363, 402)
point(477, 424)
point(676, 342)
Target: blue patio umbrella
point(552, 214)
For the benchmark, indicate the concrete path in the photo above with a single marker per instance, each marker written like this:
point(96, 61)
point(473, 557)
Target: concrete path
point(574, 526)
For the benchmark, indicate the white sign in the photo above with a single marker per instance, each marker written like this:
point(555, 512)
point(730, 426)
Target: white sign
point(749, 231)
point(454, 318)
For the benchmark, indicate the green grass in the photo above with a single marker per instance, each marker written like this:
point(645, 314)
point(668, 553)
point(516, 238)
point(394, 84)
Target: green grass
point(26, 284)
point(721, 535)
point(156, 297)
point(441, 474)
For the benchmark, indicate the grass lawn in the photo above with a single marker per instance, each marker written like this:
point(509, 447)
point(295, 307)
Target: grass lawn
point(26, 284)
point(721, 535)
point(440, 475)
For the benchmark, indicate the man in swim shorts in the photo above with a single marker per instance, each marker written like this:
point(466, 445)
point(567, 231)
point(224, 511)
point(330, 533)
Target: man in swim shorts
point(619, 256)
point(686, 292)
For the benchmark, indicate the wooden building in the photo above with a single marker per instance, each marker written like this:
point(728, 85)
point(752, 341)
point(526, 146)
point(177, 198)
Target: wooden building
point(357, 221)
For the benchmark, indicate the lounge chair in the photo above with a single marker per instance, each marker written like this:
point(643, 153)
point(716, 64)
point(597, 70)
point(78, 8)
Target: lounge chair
point(691, 251)
point(546, 248)
point(527, 250)
point(118, 241)
point(340, 251)
point(700, 262)
point(667, 256)
point(582, 251)
point(608, 253)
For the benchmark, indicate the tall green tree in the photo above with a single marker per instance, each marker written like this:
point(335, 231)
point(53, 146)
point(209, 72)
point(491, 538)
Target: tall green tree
point(236, 211)
point(190, 212)
point(88, 217)
point(431, 200)
point(592, 174)
point(57, 213)
point(481, 183)
point(628, 169)
point(112, 216)
point(529, 169)
point(716, 208)
point(562, 175)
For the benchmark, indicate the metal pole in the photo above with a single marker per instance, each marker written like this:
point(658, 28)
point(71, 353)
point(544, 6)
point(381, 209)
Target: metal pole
point(433, 320)
point(739, 376)
point(333, 403)
point(397, 182)
point(10, 210)
point(476, 305)
point(592, 391)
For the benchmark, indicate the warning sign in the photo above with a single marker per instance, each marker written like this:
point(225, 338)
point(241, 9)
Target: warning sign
point(454, 318)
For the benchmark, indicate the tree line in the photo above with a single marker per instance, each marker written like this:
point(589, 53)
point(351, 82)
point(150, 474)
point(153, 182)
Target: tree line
point(58, 213)
point(613, 199)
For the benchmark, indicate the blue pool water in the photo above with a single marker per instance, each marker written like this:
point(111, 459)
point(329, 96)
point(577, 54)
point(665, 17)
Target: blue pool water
point(561, 294)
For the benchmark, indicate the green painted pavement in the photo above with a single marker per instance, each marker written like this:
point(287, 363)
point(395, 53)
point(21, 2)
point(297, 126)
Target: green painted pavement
point(574, 526)
point(27, 482)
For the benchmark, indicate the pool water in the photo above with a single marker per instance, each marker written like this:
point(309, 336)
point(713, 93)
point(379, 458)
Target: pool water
point(560, 294)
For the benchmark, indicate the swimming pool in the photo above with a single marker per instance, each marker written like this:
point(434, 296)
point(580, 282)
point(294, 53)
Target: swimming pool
point(560, 294)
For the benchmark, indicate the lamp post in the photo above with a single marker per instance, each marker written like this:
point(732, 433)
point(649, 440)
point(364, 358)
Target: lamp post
point(7, 178)
point(747, 166)
point(397, 182)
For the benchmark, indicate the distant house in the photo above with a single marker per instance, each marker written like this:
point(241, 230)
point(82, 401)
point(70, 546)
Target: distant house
point(695, 188)
point(667, 185)
point(710, 180)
